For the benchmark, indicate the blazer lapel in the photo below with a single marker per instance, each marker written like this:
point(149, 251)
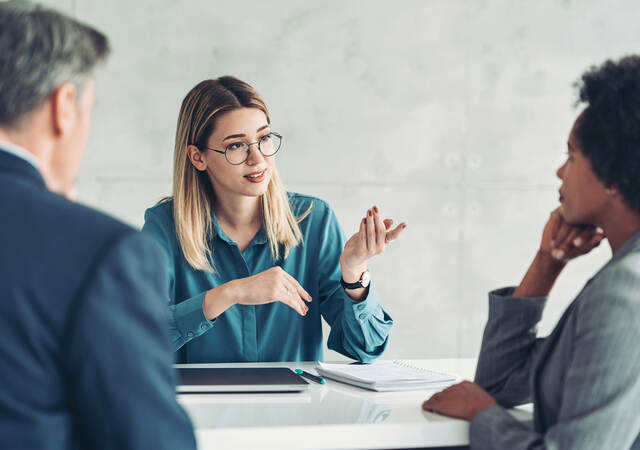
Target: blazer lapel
point(548, 347)
point(632, 244)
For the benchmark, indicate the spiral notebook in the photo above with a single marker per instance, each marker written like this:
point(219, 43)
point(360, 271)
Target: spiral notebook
point(384, 376)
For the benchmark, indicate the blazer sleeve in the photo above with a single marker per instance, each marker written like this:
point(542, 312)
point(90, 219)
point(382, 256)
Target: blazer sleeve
point(509, 346)
point(601, 389)
point(186, 316)
point(119, 359)
point(359, 330)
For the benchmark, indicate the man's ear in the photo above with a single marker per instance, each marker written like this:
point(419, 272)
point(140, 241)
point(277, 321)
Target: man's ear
point(196, 157)
point(64, 108)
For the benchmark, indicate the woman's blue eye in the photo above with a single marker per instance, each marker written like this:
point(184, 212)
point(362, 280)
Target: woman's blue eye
point(266, 138)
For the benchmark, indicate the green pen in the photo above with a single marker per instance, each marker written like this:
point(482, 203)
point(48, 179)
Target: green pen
point(304, 373)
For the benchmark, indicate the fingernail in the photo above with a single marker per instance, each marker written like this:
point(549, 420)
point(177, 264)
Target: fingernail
point(577, 242)
point(557, 254)
point(369, 213)
point(552, 243)
point(404, 226)
point(375, 208)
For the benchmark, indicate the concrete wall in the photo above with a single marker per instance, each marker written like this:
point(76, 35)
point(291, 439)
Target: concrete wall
point(451, 115)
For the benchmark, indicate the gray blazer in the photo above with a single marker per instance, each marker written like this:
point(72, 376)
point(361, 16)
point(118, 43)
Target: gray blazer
point(583, 379)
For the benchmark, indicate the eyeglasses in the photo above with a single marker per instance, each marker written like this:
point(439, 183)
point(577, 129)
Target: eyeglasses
point(238, 152)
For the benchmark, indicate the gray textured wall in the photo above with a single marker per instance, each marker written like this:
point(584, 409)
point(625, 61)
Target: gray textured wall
point(452, 115)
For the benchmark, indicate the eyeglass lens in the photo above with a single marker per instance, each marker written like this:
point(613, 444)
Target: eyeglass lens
point(238, 152)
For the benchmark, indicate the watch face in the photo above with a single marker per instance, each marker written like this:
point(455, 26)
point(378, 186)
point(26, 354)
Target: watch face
point(365, 279)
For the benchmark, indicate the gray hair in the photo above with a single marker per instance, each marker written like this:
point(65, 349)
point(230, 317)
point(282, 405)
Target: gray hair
point(41, 49)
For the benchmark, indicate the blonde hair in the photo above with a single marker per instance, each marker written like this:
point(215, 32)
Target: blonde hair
point(193, 193)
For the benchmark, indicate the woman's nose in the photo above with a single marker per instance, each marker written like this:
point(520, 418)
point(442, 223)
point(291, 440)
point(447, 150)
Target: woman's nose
point(255, 155)
point(560, 171)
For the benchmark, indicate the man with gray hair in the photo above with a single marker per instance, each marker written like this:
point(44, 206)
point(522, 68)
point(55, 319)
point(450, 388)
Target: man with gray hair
point(85, 360)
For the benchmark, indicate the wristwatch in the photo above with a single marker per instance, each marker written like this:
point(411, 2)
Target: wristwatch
point(363, 282)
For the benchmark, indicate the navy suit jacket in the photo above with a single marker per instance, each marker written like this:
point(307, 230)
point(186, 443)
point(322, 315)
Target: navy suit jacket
point(85, 359)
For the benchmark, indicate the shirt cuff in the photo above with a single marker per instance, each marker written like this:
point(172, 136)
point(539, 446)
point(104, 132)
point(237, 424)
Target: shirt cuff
point(364, 309)
point(190, 319)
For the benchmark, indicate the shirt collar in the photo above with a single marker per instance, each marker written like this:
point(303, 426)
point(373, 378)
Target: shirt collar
point(259, 238)
point(20, 152)
point(217, 229)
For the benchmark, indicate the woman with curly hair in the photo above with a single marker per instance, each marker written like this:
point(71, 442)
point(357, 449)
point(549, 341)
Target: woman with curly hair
point(584, 378)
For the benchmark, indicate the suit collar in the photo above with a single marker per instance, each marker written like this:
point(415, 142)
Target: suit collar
point(632, 244)
point(14, 165)
point(20, 152)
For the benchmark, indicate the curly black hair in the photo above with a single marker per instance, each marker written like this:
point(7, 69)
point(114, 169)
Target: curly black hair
point(609, 130)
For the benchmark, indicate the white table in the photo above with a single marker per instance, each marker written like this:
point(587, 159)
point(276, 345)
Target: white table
point(331, 416)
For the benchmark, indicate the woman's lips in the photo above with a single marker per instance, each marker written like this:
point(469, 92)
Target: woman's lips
point(256, 177)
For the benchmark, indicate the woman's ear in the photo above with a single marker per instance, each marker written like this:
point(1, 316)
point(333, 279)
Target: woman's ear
point(196, 157)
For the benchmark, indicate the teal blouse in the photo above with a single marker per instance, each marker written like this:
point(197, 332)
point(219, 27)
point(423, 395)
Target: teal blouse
point(271, 332)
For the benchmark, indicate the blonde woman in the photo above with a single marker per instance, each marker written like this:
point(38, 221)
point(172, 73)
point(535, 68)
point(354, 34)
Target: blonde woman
point(252, 267)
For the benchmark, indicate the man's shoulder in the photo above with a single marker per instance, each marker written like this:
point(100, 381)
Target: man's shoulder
point(84, 221)
point(67, 232)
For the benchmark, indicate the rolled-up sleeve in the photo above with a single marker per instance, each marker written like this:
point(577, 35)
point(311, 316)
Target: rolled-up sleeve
point(359, 330)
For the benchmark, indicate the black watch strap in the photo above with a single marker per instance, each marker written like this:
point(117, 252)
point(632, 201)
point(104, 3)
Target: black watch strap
point(356, 285)
point(363, 282)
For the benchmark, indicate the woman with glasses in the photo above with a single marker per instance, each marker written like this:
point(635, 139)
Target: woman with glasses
point(253, 268)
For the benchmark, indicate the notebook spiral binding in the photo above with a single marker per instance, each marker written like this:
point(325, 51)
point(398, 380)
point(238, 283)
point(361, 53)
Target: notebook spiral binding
point(399, 362)
point(402, 363)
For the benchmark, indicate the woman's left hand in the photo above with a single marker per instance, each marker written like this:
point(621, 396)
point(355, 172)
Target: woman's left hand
point(370, 240)
point(463, 400)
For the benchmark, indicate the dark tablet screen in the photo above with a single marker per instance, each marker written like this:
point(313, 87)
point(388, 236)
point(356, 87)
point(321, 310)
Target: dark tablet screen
point(230, 379)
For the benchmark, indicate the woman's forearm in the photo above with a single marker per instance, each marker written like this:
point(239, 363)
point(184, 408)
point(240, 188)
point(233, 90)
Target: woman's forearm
point(219, 299)
point(352, 275)
point(540, 277)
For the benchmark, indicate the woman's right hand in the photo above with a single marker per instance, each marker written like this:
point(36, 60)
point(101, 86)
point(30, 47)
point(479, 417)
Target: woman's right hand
point(563, 241)
point(272, 285)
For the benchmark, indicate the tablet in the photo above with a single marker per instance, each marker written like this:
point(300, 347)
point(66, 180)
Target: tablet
point(232, 379)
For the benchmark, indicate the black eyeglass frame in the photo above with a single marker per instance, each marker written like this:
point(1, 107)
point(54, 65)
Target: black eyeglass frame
point(224, 152)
